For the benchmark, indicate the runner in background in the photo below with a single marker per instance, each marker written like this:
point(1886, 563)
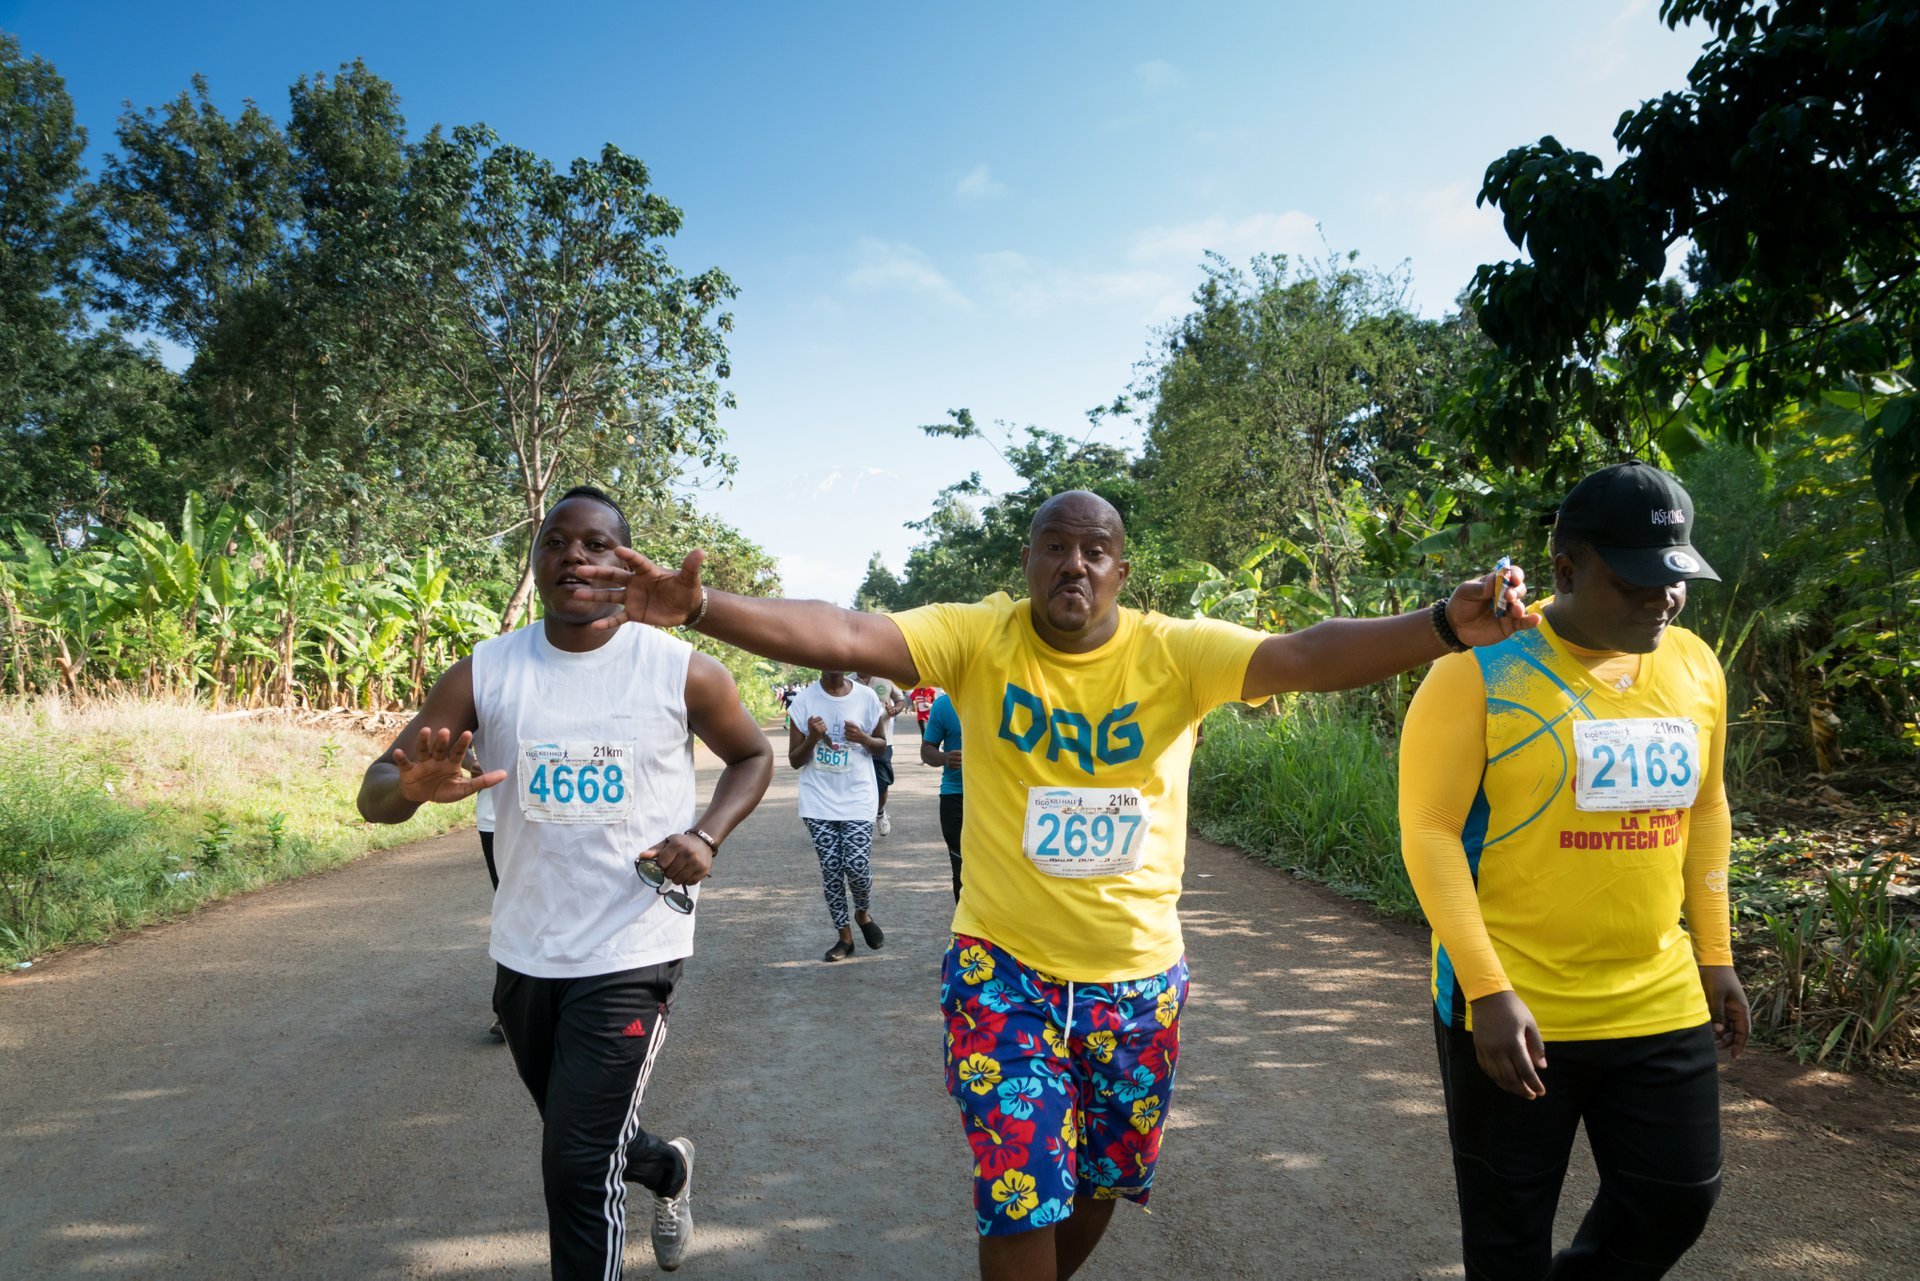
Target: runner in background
point(833, 735)
point(591, 732)
point(921, 700)
point(890, 701)
point(1064, 981)
point(940, 747)
point(1562, 806)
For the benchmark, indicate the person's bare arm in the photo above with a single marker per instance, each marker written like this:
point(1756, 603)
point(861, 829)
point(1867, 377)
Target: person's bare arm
point(715, 716)
point(1346, 653)
point(399, 782)
point(800, 746)
point(806, 633)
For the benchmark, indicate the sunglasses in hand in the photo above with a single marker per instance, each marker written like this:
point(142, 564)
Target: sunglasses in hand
point(652, 873)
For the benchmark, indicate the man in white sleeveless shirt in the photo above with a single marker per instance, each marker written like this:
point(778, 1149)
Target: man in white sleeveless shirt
point(588, 734)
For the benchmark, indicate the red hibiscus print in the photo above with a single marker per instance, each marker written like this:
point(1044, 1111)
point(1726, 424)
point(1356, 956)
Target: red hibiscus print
point(973, 1028)
point(1135, 1154)
point(999, 1142)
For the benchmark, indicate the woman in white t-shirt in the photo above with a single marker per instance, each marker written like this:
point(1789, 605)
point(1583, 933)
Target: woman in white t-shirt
point(834, 728)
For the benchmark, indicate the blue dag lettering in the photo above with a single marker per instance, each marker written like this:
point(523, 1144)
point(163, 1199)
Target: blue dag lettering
point(1116, 740)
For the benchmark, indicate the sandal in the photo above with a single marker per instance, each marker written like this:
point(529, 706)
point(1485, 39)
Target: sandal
point(840, 951)
point(870, 931)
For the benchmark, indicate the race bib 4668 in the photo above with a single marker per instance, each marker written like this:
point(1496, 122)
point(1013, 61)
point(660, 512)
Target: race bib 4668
point(575, 781)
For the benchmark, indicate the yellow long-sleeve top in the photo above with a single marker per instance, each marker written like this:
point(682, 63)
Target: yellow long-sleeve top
point(1529, 884)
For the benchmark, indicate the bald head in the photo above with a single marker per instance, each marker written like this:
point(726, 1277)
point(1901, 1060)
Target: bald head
point(1081, 511)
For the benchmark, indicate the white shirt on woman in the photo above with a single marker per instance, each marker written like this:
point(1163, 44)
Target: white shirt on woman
point(838, 783)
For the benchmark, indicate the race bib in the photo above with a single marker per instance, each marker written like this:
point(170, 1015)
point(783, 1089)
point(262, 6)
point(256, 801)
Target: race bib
point(832, 758)
point(1645, 764)
point(575, 782)
point(1085, 831)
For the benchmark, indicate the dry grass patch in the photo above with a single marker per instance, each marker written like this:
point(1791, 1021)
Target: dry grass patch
point(118, 814)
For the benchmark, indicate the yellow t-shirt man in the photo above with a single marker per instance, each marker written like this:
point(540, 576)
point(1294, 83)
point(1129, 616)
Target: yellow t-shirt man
point(1576, 909)
point(1120, 718)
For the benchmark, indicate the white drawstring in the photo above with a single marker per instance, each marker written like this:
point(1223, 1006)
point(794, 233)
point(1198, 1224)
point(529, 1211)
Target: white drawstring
point(1068, 1029)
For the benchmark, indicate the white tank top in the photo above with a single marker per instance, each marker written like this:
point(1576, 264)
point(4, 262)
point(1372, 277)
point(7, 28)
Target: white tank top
point(599, 766)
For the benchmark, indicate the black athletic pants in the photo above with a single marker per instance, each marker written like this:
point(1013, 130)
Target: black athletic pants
point(585, 1048)
point(486, 852)
point(1651, 1105)
point(951, 808)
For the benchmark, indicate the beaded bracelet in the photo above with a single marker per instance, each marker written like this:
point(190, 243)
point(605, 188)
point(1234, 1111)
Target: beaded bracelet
point(1444, 629)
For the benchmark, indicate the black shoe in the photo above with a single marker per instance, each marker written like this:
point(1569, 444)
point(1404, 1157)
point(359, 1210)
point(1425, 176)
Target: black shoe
point(870, 931)
point(840, 951)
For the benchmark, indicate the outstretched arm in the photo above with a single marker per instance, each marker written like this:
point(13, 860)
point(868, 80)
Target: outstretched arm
point(807, 633)
point(1346, 653)
point(717, 719)
point(399, 782)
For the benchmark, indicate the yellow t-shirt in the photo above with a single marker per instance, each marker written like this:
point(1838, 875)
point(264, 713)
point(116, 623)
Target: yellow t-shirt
point(1578, 911)
point(1120, 717)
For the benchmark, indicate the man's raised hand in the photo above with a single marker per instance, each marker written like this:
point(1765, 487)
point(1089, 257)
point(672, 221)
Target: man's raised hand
point(1471, 608)
point(434, 771)
point(645, 592)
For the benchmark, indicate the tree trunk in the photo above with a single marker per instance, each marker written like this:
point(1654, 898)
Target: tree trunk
point(518, 602)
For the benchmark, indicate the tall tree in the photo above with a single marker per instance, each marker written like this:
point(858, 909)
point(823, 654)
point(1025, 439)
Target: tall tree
point(1791, 162)
point(1284, 389)
point(196, 209)
point(80, 409)
point(557, 311)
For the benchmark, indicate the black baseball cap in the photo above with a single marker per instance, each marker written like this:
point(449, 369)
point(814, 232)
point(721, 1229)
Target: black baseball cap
point(1640, 520)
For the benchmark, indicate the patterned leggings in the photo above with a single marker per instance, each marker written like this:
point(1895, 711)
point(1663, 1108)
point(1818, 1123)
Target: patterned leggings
point(846, 863)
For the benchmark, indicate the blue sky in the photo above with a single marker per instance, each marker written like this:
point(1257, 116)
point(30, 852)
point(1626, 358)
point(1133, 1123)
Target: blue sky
point(990, 206)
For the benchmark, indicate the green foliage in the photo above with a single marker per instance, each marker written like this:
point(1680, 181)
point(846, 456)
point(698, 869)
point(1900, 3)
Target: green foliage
point(1313, 789)
point(1844, 983)
point(149, 810)
point(1792, 164)
point(553, 305)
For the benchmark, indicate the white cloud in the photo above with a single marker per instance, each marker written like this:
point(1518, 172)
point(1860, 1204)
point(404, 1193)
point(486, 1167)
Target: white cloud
point(1183, 245)
point(1610, 55)
point(849, 481)
point(1450, 215)
point(887, 268)
point(1158, 76)
point(1033, 286)
point(978, 184)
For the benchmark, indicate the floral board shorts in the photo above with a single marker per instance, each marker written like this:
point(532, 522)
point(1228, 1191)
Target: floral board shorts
point(1063, 1086)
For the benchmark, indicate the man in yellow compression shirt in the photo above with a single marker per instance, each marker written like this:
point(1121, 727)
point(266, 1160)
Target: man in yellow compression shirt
point(1063, 983)
point(1560, 807)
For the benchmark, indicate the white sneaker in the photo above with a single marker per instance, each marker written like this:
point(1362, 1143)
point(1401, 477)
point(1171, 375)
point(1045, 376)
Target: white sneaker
point(886, 824)
point(673, 1215)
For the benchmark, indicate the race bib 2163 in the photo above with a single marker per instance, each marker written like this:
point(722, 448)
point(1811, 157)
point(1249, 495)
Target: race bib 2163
point(1647, 763)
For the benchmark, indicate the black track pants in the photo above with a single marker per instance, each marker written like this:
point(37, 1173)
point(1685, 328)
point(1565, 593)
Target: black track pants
point(585, 1048)
point(1651, 1105)
point(952, 814)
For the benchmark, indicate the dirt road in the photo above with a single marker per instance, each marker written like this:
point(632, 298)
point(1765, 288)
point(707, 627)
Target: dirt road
point(298, 1084)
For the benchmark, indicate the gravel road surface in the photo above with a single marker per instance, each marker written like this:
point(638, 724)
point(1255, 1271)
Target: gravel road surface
point(298, 1084)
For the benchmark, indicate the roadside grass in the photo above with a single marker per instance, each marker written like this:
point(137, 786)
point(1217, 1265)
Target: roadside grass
point(1313, 790)
point(1826, 926)
point(120, 814)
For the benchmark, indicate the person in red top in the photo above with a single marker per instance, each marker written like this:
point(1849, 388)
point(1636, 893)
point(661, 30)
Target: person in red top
point(922, 700)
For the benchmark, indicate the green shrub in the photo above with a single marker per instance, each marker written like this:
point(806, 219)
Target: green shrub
point(147, 810)
point(1312, 789)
